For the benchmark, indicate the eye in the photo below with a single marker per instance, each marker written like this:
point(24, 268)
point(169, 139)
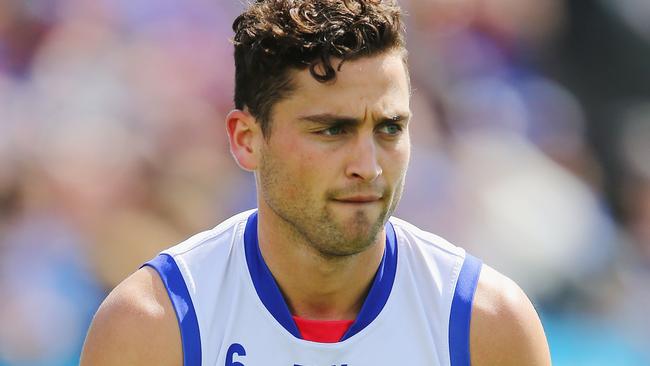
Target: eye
point(332, 131)
point(392, 129)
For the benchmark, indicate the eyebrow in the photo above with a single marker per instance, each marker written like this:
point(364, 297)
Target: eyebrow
point(332, 119)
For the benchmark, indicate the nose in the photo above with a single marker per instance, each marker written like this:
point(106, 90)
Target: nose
point(363, 163)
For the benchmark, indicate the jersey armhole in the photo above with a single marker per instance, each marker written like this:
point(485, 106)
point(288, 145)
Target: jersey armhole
point(461, 311)
point(188, 323)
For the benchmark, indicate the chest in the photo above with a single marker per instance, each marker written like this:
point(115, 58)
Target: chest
point(406, 332)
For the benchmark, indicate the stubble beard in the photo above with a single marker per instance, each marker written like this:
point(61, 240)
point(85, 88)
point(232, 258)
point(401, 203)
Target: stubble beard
point(313, 223)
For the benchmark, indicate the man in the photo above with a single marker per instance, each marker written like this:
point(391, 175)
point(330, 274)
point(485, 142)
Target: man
point(320, 274)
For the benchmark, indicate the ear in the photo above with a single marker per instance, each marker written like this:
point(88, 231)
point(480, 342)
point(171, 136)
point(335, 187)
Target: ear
point(244, 134)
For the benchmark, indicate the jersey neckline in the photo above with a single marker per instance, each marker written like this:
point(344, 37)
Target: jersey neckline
point(269, 293)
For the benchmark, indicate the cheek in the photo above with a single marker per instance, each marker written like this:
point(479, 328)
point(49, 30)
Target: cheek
point(405, 150)
point(301, 166)
point(406, 161)
point(305, 159)
point(299, 174)
point(397, 160)
point(308, 172)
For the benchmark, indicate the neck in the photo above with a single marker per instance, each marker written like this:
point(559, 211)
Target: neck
point(316, 286)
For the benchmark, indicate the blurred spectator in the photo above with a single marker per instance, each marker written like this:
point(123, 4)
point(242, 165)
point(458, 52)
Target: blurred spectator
point(48, 290)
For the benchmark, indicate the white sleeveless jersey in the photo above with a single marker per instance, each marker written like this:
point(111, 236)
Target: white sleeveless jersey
point(231, 312)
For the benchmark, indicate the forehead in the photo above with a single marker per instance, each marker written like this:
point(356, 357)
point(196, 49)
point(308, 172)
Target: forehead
point(377, 84)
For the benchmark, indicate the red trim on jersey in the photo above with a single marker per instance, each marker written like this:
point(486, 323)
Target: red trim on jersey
point(323, 331)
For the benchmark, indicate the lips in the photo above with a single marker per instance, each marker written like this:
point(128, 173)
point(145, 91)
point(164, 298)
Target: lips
point(359, 199)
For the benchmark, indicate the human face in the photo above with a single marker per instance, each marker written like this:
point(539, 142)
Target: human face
point(333, 167)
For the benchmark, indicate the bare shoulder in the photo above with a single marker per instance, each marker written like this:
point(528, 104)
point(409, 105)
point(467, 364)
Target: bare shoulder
point(135, 325)
point(505, 328)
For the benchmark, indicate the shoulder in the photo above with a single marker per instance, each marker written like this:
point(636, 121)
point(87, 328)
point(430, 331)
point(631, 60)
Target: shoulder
point(135, 325)
point(505, 328)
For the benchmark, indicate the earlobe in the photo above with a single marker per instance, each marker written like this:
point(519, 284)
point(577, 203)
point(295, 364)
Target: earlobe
point(242, 132)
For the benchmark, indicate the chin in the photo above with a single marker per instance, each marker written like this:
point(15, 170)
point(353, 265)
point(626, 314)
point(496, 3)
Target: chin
point(364, 234)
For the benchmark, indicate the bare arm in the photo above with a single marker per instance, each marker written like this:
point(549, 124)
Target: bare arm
point(135, 325)
point(505, 328)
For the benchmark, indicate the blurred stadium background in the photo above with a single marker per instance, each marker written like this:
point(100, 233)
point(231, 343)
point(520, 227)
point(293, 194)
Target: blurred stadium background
point(531, 148)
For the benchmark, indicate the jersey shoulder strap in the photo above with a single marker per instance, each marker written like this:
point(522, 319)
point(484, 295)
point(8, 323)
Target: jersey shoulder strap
point(188, 323)
point(461, 311)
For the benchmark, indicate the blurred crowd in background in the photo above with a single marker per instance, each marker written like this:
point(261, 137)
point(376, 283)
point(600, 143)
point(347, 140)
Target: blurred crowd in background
point(531, 149)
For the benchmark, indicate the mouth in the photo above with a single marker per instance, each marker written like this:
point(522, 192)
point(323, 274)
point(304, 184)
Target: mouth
point(359, 199)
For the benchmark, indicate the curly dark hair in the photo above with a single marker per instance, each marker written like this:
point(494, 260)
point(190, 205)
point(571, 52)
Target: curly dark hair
point(273, 37)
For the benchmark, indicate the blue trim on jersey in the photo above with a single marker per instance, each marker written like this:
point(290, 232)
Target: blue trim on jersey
point(461, 311)
point(269, 292)
point(171, 276)
point(381, 286)
point(265, 285)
